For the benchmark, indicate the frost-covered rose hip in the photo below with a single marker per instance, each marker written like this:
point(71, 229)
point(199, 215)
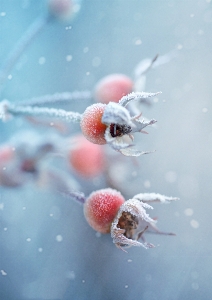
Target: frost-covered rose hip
point(101, 207)
point(91, 124)
point(100, 123)
point(112, 88)
point(86, 158)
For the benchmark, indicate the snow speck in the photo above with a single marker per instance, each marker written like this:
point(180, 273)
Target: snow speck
point(147, 184)
point(41, 60)
point(204, 110)
point(86, 49)
point(68, 28)
point(59, 238)
point(137, 41)
point(194, 224)
point(28, 239)
point(3, 273)
point(71, 275)
point(126, 286)
point(69, 57)
point(3, 14)
point(5, 228)
point(40, 250)
point(179, 47)
point(129, 260)
point(10, 77)
point(1, 206)
point(188, 212)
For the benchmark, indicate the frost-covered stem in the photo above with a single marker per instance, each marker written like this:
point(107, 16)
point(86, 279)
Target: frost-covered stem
point(58, 97)
point(77, 196)
point(21, 45)
point(67, 116)
point(136, 96)
point(154, 197)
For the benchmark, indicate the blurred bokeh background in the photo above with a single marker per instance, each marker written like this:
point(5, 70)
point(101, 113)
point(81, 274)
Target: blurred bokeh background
point(47, 250)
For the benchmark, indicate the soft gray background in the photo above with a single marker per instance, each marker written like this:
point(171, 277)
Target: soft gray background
point(102, 40)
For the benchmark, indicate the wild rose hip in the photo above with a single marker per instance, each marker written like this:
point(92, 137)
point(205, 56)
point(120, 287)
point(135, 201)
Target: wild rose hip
point(112, 88)
point(107, 211)
point(101, 208)
point(91, 124)
point(86, 158)
point(101, 123)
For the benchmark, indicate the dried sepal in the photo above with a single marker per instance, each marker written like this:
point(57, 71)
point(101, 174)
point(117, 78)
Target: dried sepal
point(120, 126)
point(126, 228)
point(140, 124)
point(136, 96)
point(132, 151)
point(154, 197)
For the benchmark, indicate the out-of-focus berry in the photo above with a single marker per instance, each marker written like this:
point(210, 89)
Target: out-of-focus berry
point(86, 158)
point(6, 154)
point(101, 208)
point(91, 124)
point(63, 9)
point(112, 88)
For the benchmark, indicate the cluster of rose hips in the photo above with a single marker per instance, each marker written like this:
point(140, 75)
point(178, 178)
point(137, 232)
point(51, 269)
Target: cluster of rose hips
point(107, 122)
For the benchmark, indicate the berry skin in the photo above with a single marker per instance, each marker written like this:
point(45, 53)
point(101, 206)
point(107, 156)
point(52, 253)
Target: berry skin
point(91, 124)
point(86, 158)
point(6, 154)
point(63, 9)
point(112, 88)
point(101, 208)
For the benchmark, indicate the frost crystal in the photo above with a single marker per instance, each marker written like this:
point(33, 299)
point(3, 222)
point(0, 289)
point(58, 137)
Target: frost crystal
point(121, 125)
point(132, 221)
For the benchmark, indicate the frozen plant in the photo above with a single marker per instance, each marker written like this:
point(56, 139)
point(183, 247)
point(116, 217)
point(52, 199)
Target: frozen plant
point(100, 123)
point(106, 211)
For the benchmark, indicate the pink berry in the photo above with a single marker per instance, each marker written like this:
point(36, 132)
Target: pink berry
point(101, 208)
point(6, 154)
point(61, 8)
point(86, 158)
point(91, 124)
point(112, 88)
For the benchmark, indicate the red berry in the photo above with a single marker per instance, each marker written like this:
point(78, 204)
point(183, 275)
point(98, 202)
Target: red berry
point(91, 124)
point(86, 158)
point(101, 208)
point(60, 8)
point(112, 88)
point(6, 154)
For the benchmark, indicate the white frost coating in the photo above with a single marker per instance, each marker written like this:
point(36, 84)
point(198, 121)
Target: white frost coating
point(114, 113)
point(153, 197)
point(136, 96)
point(58, 97)
point(4, 115)
point(135, 208)
point(132, 151)
point(141, 123)
point(43, 111)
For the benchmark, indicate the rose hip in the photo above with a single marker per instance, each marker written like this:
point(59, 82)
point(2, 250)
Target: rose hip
point(101, 208)
point(91, 124)
point(112, 88)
